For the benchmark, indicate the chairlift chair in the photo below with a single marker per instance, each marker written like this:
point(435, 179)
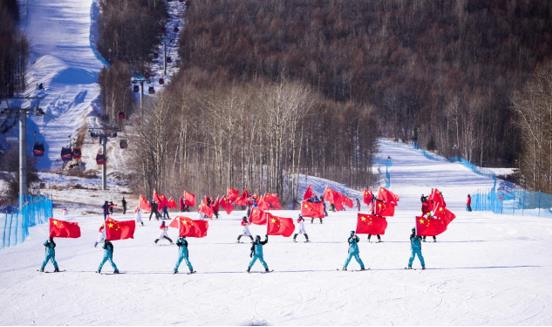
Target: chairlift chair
point(169, 59)
point(161, 81)
point(38, 149)
point(136, 88)
point(101, 159)
point(151, 90)
point(123, 144)
point(66, 154)
point(77, 154)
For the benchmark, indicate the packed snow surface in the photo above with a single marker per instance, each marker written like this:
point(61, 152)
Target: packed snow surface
point(485, 269)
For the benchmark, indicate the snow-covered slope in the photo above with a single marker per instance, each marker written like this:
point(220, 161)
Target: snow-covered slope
point(63, 59)
point(486, 269)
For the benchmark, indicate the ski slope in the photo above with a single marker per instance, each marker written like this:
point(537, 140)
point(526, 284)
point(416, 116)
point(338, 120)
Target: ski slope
point(63, 58)
point(485, 269)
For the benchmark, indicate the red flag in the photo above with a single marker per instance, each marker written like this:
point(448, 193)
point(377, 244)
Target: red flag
point(312, 209)
point(308, 193)
point(367, 196)
point(242, 200)
point(263, 204)
point(188, 227)
point(257, 216)
point(387, 196)
point(273, 200)
point(226, 205)
point(280, 226)
point(444, 214)
point(163, 202)
point(383, 209)
point(189, 199)
point(232, 194)
point(144, 204)
point(429, 226)
point(206, 210)
point(119, 230)
point(436, 197)
point(335, 198)
point(370, 224)
point(216, 205)
point(171, 204)
point(65, 229)
point(346, 201)
point(156, 197)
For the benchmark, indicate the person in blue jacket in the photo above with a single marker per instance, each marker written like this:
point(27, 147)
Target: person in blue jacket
point(257, 252)
point(353, 251)
point(50, 252)
point(416, 247)
point(108, 256)
point(183, 255)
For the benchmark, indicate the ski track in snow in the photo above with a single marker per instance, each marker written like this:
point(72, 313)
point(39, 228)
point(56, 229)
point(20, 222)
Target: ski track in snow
point(485, 269)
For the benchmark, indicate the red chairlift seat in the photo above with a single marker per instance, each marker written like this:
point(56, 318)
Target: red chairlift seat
point(38, 149)
point(101, 159)
point(66, 154)
point(77, 154)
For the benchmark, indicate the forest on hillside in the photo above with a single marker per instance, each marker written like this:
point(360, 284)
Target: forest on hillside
point(13, 51)
point(439, 72)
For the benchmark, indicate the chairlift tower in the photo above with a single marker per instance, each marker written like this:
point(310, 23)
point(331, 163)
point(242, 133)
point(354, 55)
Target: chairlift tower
point(103, 134)
point(23, 112)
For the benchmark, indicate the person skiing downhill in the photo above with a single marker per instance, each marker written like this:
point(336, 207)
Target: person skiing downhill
point(245, 224)
point(138, 218)
point(302, 231)
point(166, 212)
point(50, 252)
point(353, 251)
point(164, 228)
point(257, 253)
point(108, 256)
point(183, 254)
point(416, 248)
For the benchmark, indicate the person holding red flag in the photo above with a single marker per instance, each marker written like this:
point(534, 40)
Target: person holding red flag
point(353, 251)
point(416, 248)
point(302, 231)
point(245, 224)
point(108, 256)
point(183, 254)
point(50, 253)
point(164, 228)
point(257, 253)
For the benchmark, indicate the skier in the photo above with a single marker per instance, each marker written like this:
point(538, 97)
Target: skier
point(138, 212)
point(164, 228)
point(154, 210)
point(257, 252)
point(468, 203)
point(358, 204)
point(245, 223)
point(183, 255)
point(50, 252)
point(166, 212)
point(105, 208)
point(416, 248)
point(111, 207)
point(124, 203)
point(301, 223)
point(108, 256)
point(101, 236)
point(353, 251)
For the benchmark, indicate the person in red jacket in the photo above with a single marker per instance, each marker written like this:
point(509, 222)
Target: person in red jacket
point(468, 203)
point(164, 228)
point(245, 224)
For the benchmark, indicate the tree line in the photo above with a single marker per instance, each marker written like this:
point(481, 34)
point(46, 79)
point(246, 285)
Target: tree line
point(13, 51)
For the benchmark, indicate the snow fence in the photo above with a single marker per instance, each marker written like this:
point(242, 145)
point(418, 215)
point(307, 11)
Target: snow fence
point(513, 202)
point(15, 225)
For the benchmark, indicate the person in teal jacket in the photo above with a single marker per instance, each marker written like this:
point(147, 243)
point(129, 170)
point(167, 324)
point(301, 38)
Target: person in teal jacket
point(416, 247)
point(257, 252)
point(108, 256)
point(353, 251)
point(183, 255)
point(50, 252)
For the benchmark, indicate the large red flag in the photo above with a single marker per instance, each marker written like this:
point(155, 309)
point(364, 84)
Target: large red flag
point(308, 193)
point(189, 199)
point(444, 214)
point(188, 227)
point(242, 200)
point(163, 201)
point(257, 216)
point(312, 209)
point(206, 210)
point(144, 204)
point(367, 196)
point(346, 201)
point(387, 196)
point(279, 226)
point(273, 200)
point(430, 226)
point(384, 209)
point(119, 230)
point(335, 198)
point(436, 197)
point(171, 204)
point(65, 229)
point(226, 205)
point(370, 224)
point(263, 204)
point(232, 194)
